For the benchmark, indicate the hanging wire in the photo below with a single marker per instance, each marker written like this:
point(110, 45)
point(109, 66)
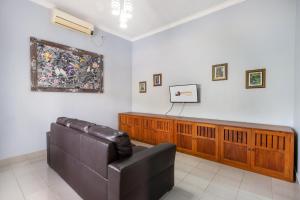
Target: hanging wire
point(182, 108)
point(170, 109)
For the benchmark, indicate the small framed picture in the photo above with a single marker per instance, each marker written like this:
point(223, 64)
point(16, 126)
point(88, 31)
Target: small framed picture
point(220, 72)
point(157, 80)
point(256, 78)
point(143, 87)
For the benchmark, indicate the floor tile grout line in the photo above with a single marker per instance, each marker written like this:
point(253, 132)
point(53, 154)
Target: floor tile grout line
point(31, 162)
point(240, 185)
point(18, 183)
point(212, 179)
point(272, 188)
point(188, 172)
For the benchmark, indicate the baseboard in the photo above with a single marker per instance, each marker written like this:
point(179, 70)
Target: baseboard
point(21, 158)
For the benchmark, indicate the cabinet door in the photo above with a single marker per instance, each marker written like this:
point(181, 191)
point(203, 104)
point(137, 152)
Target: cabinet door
point(163, 131)
point(235, 146)
point(134, 127)
point(148, 132)
point(205, 141)
point(123, 123)
point(271, 153)
point(184, 136)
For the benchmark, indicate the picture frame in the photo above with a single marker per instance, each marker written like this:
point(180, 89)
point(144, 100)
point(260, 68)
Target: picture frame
point(60, 68)
point(256, 78)
point(157, 80)
point(220, 72)
point(143, 87)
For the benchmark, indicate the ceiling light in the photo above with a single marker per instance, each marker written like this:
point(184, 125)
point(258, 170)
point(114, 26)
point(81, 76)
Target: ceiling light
point(122, 8)
point(116, 7)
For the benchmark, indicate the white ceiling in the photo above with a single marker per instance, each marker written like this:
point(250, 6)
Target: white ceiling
point(149, 16)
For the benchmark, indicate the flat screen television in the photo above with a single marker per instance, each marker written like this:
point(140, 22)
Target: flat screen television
point(185, 93)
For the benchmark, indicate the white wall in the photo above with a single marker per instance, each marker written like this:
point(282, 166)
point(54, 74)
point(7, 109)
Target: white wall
point(250, 35)
point(26, 116)
point(297, 82)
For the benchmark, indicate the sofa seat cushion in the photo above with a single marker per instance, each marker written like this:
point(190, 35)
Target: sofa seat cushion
point(120, 139)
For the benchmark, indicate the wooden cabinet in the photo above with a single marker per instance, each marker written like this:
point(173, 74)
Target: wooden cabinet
point(272, 153)
point(132, 125)
point(123, 123)
point(266, 149)
point(184, 136)
point(205, 141)
point(235, 146)
point(145, 129)
point(148, 131)
point(163, 131)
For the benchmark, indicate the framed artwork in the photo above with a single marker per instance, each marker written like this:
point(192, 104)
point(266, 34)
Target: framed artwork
point(157, 80)
point(59, 68)
point(143, 87)
point(256, 78)
point(220, 72)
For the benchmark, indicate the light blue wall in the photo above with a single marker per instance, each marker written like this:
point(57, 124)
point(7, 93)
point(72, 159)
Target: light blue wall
point(297, 82)
point(25, 116)
point(250, 35)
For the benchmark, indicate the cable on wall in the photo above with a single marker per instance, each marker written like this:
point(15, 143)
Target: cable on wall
point(170, 109)
point(182, 108)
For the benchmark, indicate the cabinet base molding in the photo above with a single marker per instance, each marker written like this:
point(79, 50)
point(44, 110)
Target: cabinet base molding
point(260, 148)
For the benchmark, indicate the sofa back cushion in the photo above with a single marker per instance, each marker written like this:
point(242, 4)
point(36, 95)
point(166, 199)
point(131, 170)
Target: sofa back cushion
point(120, 139)
point(96, 153)
point(76, 124)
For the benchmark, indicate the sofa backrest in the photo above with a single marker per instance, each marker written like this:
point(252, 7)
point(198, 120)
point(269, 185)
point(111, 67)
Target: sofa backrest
point(94, 145)
point(95, 153)
point(120, 139)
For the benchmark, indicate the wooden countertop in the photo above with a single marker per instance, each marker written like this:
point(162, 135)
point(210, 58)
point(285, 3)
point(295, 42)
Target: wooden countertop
point(285, 129)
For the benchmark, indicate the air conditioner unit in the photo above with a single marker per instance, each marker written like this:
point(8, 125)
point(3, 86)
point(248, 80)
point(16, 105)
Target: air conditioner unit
point(71, 22)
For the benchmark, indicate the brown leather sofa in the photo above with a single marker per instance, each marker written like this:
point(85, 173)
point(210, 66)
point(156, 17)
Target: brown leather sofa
point(100, 163)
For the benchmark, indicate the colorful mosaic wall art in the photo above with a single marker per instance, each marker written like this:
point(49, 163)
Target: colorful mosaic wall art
point(59, 68)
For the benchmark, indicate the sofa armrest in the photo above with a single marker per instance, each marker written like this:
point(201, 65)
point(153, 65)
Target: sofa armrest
point(127, 175)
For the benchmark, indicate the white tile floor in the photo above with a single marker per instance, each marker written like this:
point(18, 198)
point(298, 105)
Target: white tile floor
point(195, 179)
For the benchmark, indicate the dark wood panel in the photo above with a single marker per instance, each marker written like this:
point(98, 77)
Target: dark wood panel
point(272, 160)
point(205, 146)
point(184, 142)
point(235, 153)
